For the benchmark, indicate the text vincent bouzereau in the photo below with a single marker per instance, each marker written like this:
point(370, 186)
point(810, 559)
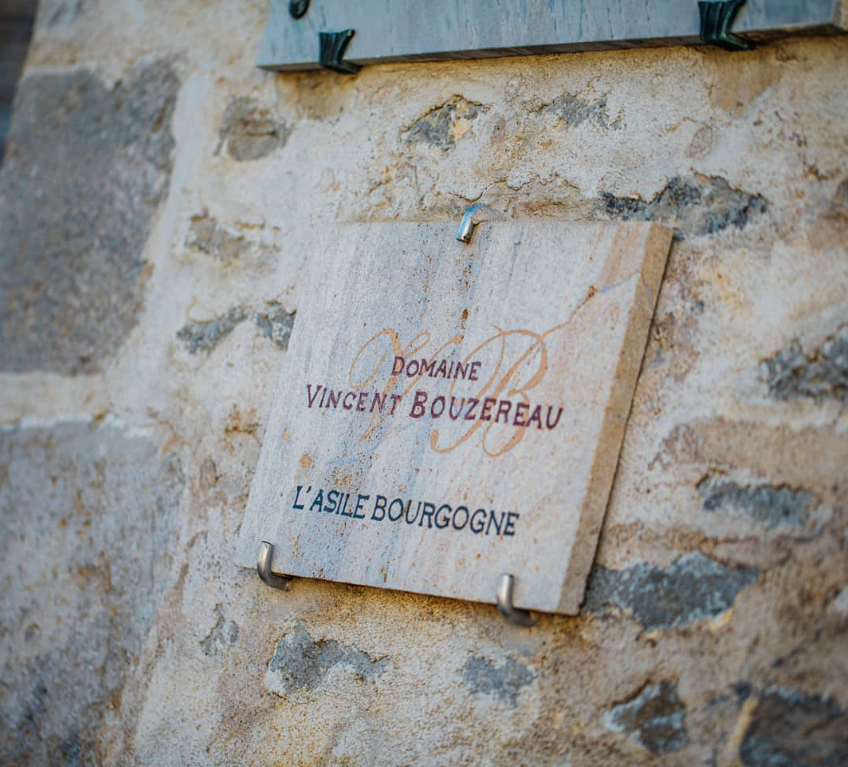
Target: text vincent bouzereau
point(382, 405)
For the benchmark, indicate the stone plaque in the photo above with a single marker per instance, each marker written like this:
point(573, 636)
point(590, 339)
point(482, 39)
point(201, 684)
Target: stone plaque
point(448, 412)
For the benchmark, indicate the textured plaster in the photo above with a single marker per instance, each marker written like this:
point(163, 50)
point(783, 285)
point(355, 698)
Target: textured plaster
point(167, 661)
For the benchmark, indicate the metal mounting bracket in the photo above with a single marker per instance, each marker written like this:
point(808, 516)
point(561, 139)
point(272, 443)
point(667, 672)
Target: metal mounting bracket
point(332, 49)
point(716, 20)
point(263, 567)
point(298, 8)
point(475, 214)
point(514, 615)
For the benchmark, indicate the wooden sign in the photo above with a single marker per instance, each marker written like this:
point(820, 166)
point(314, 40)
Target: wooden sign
point(449, 412)
point(343, 35)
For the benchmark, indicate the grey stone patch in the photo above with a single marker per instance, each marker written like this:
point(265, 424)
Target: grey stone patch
point(88, 516)
point(72, 750)
point(483, 677)
point(771, 505)
point(655, 718)
point(437, 128)
point(839, 605)
point(224, 634)
point(272, 321)
point(276, 323)
point(249, 132)
point(840, 199)
point(694, 205)
point(208, 236)
point(821, 374)
point(85, 172)
point(790, 728)
point(205, 336)
point(301, 663)
point(693, 588)
point(574, 111)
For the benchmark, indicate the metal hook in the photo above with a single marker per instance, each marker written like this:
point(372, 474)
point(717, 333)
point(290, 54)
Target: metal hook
point(717, 19)
point(331, 50)
point(263, 567)
point(516, 616)
point(466, 226)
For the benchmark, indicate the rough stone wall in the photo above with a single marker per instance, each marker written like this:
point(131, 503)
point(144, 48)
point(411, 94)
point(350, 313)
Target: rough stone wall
point(156, 207)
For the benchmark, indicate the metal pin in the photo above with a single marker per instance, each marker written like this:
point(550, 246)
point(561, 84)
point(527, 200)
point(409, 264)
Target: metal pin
point(263, 567)
point(466, 226)
point(516, 616)
point(474, 215)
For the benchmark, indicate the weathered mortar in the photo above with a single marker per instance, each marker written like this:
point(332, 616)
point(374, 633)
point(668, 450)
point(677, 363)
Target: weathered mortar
point(710, 635)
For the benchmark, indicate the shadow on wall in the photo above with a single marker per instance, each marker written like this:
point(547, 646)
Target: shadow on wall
point(16, 20)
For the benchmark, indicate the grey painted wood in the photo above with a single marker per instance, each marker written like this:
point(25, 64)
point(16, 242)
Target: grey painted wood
point(403, 30)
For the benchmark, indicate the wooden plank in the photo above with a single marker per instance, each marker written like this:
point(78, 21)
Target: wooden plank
point(549, 321)
point(404, 30)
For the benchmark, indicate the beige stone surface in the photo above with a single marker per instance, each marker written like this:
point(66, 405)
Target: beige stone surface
point(712, 632)
point(499, 457)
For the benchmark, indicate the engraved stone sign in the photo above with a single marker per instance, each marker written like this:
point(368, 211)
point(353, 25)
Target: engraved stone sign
point(449, 412)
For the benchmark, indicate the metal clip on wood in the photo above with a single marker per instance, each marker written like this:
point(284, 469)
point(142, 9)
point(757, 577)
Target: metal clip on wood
point(331, 51)
point(514, 615)
point(263, 567)
point(716, 20)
